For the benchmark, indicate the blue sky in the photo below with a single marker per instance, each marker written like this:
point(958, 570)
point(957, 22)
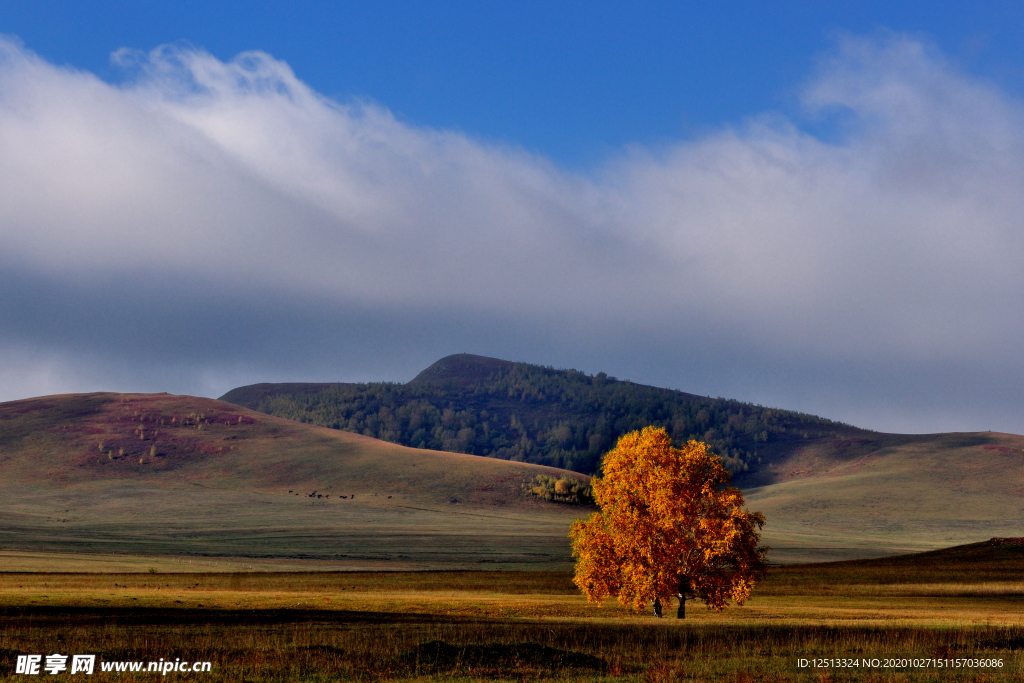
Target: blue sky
point(574, 81)
point(804, 206)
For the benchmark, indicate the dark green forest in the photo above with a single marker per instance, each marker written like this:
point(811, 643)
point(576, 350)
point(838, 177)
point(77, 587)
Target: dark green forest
point(518, 411)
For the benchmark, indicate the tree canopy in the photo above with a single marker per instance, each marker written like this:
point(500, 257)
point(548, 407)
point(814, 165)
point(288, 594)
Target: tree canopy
point(669, 527)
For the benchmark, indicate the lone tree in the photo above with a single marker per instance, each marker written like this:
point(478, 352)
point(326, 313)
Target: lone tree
point(669, 526)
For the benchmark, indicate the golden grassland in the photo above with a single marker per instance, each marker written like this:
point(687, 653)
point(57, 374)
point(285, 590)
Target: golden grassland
point(796, 595)
point(962, 603)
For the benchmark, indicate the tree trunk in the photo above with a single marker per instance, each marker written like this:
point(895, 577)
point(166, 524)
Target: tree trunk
point(657, 607)
point(684, 587)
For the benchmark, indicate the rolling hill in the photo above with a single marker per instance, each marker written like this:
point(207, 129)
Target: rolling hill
point(176, 476)
point(828, 490)
point(171, 475)
point(849, 498)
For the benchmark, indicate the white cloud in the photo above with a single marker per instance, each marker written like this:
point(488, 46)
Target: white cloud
point(216, 203)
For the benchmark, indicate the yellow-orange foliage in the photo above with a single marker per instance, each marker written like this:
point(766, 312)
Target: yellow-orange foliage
point(669, 526)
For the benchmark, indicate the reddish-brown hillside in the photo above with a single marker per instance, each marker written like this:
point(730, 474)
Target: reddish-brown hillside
point(165, 438)
point(171, 475)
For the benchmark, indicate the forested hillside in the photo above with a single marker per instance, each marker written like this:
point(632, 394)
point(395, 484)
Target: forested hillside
point(518, 411)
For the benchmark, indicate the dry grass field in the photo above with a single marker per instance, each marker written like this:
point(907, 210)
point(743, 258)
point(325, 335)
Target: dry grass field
point(958, 605)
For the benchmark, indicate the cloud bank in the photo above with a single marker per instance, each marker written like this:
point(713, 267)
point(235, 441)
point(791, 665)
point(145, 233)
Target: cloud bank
point(206, 224)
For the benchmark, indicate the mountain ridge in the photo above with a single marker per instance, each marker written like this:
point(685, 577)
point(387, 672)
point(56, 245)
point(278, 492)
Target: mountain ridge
point(520, 411)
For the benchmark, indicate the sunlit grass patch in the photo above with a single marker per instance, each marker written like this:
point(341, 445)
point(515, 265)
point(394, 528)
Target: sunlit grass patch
point(515, 626)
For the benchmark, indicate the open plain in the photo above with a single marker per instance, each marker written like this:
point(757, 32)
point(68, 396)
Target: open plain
point(951, 615)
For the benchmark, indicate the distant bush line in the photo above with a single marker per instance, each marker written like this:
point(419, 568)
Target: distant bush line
point(561, 490)
point(530, 413)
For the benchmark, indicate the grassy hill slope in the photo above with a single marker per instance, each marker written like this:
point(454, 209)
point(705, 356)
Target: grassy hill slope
point(891, 493)
point(162, 474)
point(997, 559)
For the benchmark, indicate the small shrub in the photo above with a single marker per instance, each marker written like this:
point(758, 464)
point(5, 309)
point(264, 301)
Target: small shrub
point(562, 490)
